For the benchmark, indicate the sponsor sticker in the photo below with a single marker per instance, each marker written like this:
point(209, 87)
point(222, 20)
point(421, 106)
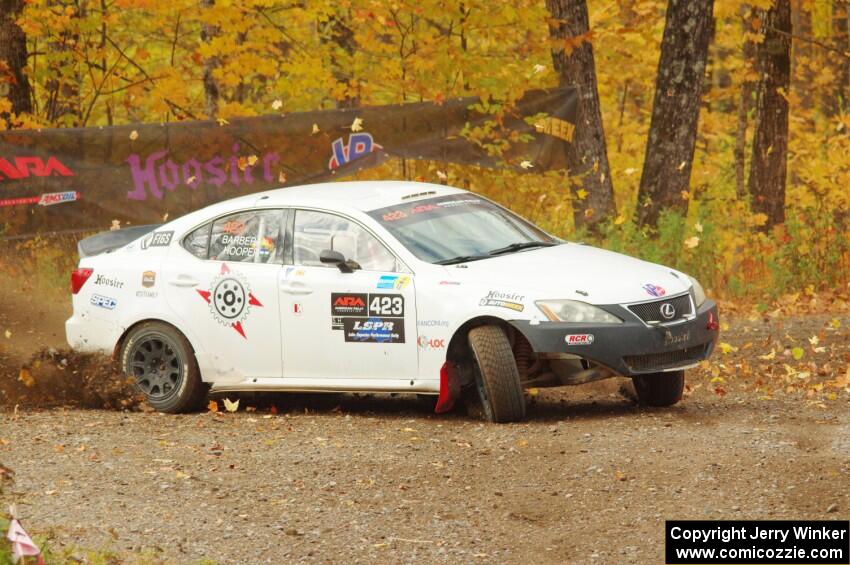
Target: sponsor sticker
point(359, 144)
point(230, 299)
point(24, 167)
point(508, 300)
point(157, 239)
point(426, 343)
point(103, 280)
point(296, 308)
point(374, 330)
point(146, 293)
point(374, 318)
point(343, 304)
point(579, 339)
point(148, 279)
point(48, 199)
point(654, 290)
point(433, 323)
point(396, 282)
point(103, 301)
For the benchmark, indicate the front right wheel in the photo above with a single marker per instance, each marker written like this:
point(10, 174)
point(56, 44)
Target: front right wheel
point(496, 375)
point(660, 389)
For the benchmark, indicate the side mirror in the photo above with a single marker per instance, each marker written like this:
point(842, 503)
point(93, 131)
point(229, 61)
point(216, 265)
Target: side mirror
point(331, 257)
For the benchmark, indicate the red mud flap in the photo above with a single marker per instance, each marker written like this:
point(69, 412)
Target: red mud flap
point(449, 390)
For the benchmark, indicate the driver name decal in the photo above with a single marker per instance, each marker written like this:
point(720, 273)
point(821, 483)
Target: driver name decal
point(230, 299)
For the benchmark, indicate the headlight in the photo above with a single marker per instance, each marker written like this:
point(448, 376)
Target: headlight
point(699, 293)
point(575, 311)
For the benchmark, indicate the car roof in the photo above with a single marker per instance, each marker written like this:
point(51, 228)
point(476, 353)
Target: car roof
point(362, 195)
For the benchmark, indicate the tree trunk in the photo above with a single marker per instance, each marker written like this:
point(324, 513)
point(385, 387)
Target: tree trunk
point(13, 56)
point(587, 157)
point(675, 109)
point(768, 167)
point(744, 106)
point(63, 88)
point(341, 35)
point(211, 88)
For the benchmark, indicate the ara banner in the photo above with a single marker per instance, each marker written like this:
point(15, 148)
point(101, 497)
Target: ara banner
point(84, 178)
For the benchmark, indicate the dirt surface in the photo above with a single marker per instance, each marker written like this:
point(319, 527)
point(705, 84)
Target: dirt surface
point(589, 477)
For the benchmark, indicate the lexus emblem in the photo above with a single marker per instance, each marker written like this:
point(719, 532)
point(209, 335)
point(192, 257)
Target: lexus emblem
point(668, 311)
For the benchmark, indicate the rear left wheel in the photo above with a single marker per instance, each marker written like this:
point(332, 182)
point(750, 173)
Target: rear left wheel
point(162, 363)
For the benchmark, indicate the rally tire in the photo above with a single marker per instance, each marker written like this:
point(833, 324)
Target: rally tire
point(162, 364)
point(660, 389)
point(496, 376)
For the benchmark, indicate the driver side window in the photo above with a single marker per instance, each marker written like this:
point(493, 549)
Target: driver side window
point(319, 231)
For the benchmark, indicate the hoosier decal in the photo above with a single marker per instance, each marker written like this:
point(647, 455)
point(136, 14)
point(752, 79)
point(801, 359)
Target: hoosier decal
point(508, 300)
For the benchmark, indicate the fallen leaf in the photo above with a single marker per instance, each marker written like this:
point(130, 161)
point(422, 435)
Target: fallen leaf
point(526, 165)
point(619, 220)
point(538, 68)
point(698, 227)
point(315, 129)
point(222, 122)
point(281, 177)
point(8, 334)
point(442, 176)
point(797, 353)
point(212, 406)
point(231, 406)
point(581, 194)
point(134, 135)
point(277, 105)
point(768, 356)
point(252, 160)
point(26, 377)
point(814, 340)
point(692, 242)
point(357, 124)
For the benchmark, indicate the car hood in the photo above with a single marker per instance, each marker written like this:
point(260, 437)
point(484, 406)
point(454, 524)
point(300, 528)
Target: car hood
point(569, 271)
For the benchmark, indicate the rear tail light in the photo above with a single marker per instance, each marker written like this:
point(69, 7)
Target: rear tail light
point(79, 278)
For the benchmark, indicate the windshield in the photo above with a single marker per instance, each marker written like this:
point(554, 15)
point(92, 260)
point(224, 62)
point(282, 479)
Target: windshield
point(459, 228)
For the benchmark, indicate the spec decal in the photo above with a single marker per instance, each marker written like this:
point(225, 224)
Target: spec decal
point(654, 290)
point(396, 282)
point(157, 239)
point(103, 280)
point(374, 330)
point(507, 300)
point(230, 299)
point(579, 339)
point(148, 279)
point(104, 302)
point(376, 318)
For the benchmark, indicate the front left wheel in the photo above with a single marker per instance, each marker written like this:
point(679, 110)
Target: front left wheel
point(162, 363)
point(496, 376)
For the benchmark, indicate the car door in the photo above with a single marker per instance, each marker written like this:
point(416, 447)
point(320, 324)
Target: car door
point(224, 283)
point(337, 325)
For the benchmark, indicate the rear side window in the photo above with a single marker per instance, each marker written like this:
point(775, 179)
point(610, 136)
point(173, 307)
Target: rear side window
point(244, 237)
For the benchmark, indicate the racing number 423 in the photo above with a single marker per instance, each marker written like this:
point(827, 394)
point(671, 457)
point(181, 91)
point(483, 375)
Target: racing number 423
point(383, 305)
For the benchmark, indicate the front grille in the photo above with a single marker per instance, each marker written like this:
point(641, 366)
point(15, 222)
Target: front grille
point(650, 312)
point(666, 360)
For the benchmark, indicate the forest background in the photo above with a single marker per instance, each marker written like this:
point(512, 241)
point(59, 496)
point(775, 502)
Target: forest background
point(714, 136)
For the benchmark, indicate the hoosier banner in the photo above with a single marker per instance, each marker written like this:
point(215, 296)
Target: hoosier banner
point(66, 179)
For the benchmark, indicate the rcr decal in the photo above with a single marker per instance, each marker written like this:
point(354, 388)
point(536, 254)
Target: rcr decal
point(579, 339)
point(24, 167)
point(157, 239)
point(511, 301)
point(230, 299)
point(104, 302)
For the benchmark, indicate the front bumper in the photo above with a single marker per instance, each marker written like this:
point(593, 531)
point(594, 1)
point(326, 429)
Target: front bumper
point(633, 347)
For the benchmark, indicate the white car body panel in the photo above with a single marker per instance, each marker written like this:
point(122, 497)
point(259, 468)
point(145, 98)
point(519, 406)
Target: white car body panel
point(285, 341)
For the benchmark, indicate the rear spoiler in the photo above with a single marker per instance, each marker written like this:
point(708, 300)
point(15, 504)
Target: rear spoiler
point(112, 240)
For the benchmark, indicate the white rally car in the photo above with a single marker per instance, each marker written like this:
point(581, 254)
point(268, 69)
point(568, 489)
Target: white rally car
point(384, 287)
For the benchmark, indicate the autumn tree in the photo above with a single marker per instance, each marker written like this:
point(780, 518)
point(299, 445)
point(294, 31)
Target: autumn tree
point(588, 155)
point(211, 63)
point(768, 168)
point(13, 57)
point(675, 111)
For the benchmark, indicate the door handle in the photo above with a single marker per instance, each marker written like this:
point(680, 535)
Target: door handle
point(293, 289)
point(183, 280)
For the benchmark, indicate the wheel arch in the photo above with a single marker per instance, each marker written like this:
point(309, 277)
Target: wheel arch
point(116, 352)
point(458, 348)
